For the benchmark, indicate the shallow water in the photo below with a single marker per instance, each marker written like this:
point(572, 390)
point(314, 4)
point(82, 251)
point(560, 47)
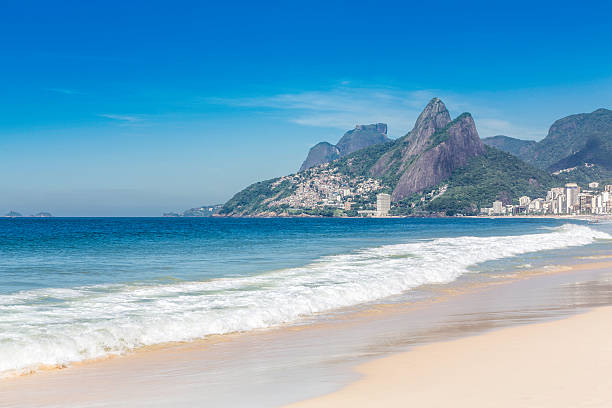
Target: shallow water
point(77, 289)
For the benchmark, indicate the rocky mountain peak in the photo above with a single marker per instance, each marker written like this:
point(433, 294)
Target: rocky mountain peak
point(446, 149)
point(320, 153)
point(435, 114)
point(377, 127)
point(434, 117)
point(360, 137)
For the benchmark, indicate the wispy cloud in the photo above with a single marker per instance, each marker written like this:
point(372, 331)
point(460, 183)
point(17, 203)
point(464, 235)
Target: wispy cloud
point(64, 91)
point(123, 118)
point(345, 106)
point(342, 107)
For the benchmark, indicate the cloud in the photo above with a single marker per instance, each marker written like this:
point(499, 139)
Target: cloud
point(64, 91)
point(345, 106)
point(123, 118)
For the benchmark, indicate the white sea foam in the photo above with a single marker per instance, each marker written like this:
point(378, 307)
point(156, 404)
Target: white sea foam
point(59, 326)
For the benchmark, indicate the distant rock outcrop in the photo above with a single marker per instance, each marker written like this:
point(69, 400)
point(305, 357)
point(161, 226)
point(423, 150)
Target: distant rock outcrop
point(13, 214)
point(320, 153)
point(356, 139)
point(361, 137)
point(204, 211)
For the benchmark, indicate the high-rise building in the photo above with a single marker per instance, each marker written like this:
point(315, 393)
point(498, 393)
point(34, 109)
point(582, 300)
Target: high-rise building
point(561, 204)
point(524, 201)
point(497, 207)
point(571, 196)
point(383, 204)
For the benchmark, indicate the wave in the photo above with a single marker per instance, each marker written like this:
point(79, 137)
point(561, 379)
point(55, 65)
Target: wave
point(54, 327)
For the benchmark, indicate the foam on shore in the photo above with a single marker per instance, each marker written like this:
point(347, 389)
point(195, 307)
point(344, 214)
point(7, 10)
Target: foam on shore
point(53, 327)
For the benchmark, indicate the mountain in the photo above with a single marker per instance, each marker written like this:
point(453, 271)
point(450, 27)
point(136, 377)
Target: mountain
point(517, 147)
point(356, 139)
point(571, 141)
point(204, 211)
point(320, 153)
point(495, 175)
point(425, 156)
point(571, 134)
point(441, 165)
point(595, 151)
point(13, 214)
point(42, 215)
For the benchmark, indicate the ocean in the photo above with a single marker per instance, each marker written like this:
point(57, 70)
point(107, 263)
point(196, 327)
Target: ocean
point(75, 289)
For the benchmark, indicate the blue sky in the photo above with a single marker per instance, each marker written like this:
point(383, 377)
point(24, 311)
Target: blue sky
point(136, 108)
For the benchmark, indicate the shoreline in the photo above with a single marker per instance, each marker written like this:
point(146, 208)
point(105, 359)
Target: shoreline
point(443, 294)
point(559, 363)
point(213, 355)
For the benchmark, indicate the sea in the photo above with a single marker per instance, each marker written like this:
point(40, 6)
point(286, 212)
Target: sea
point(77, 289)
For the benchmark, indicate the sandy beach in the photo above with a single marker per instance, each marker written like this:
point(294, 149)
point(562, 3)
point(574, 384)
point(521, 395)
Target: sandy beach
point(564, 363)
point(432, 353)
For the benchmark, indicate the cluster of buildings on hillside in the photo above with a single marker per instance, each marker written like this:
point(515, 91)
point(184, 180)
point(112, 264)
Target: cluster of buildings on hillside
point(325, 187)
point(569, 200)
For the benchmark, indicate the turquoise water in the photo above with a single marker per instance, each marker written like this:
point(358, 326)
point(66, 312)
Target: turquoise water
point(74, 289)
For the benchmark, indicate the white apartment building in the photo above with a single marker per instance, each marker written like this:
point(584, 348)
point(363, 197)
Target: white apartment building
point(524, 201)
point(571, 197)
point(383, 204)
point(498, 207)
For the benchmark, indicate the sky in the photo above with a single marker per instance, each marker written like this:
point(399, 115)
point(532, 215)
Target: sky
point(115, 108)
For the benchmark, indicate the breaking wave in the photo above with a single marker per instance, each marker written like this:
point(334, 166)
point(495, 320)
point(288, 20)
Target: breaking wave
point(50, 327)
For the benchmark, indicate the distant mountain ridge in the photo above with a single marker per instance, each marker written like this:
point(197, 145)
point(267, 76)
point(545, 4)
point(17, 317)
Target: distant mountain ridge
point(571, 141)
point(203, 211)
point(360, 137)
point(516, 147)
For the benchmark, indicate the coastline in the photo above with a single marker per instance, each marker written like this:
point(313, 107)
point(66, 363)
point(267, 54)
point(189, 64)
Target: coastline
point(314, 359)
point(553, 364)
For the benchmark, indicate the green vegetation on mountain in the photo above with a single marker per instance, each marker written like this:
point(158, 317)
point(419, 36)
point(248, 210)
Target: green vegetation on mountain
point(496, 175)
point(440, 166)
point(596, 151)
point(585, 174)
point(517, 147)
point(253, 199)
point(571, 141)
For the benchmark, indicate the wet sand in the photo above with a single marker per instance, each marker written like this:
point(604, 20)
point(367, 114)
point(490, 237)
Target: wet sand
point(565, 363)
point(280, 366)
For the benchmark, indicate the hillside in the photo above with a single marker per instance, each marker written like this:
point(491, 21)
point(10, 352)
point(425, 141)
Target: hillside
point(441, 165)
point(495, 175)
point(571, 141)
point(571, 134)
point(355, 139)
point(596, 151)
point(517, 147)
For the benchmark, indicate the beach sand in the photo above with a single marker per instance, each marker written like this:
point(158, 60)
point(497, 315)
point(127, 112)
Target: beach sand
point(382, 355)
point(565, 363)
